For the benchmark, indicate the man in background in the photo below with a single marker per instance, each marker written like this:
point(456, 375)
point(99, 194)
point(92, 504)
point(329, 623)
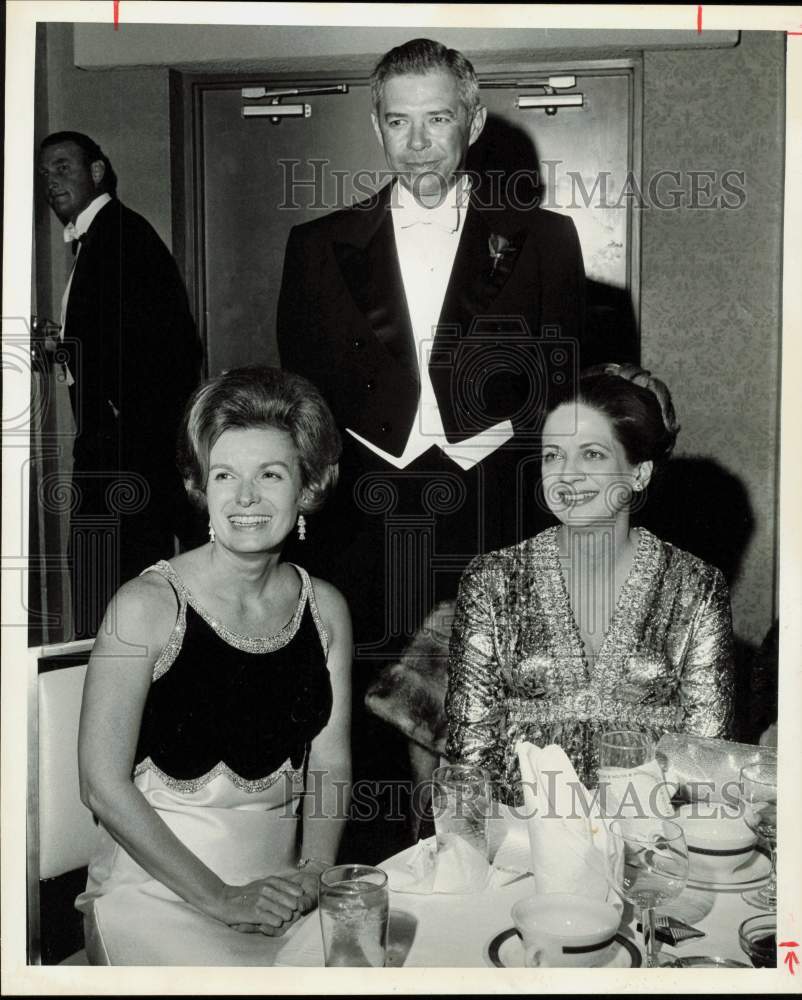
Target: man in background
point(132, 360)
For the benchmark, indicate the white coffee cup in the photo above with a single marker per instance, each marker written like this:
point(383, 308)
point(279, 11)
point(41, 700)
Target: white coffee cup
point(560, 930)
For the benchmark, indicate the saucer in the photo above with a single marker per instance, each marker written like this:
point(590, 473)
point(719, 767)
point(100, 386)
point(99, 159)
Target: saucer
point(704, 962)
point(505, 951)
point(756, 870)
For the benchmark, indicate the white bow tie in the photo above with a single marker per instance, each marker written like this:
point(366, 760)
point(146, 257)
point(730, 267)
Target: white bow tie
point(71, 233)
point(444, 217)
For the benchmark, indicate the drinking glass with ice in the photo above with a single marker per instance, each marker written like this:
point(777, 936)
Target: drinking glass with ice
point(354, 909)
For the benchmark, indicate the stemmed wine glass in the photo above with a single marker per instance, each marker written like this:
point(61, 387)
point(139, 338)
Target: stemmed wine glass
point(647, 864)
point(758, 794)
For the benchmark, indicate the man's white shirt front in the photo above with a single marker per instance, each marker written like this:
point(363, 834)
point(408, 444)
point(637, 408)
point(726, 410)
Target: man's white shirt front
point(74, 231)
point(427, 240)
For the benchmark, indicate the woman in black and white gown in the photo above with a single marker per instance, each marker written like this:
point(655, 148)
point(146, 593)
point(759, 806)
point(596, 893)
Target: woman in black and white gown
point(218, 693)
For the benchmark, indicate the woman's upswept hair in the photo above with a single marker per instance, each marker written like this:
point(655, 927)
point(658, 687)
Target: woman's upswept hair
point(637, 404)
point(420, 56)
point(258, 396)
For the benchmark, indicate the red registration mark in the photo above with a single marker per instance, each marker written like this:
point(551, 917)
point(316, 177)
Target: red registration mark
point(791, 959)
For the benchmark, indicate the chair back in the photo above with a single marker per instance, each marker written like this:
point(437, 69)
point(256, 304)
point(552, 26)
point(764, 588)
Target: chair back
point(61, 830)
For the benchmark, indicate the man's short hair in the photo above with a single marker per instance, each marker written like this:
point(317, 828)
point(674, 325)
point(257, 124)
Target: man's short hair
point(422, 55)
point(91, 151)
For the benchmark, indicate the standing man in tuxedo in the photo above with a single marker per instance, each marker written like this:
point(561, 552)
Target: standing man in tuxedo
point(434, 325)
point(132, 359)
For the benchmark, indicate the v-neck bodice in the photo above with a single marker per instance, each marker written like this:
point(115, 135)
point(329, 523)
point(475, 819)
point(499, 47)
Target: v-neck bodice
point(519, 669)
point(627, 602)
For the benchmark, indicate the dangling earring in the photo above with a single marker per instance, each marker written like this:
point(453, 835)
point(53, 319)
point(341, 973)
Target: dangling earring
point(211, 533)
point(301, 528)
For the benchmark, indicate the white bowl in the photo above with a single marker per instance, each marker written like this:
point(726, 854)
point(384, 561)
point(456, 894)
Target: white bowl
point(718, 839)
point(561, 930)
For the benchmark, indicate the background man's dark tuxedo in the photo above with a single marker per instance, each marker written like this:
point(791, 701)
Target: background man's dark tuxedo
point(135, 358)
point(506, 334)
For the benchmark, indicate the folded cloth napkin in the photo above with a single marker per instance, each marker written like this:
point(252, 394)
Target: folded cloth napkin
point(567, 836)
point(428, 870)
point(704, 769)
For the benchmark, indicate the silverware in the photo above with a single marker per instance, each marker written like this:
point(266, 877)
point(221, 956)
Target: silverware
point(672, 930)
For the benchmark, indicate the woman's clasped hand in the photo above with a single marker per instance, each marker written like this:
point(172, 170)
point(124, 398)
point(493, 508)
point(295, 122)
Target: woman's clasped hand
point(267, 905)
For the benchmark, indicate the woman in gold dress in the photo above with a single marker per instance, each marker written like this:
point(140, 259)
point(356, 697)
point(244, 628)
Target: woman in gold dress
point(592, 624)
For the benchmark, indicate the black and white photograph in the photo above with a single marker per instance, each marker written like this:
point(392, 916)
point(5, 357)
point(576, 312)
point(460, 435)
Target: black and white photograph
point(401, 555)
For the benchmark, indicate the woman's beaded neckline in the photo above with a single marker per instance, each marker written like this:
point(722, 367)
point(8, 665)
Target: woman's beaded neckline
point(239, 640)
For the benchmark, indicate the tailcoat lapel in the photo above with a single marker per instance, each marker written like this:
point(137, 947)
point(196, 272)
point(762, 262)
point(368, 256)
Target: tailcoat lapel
point(477, 276)
point(369, 265)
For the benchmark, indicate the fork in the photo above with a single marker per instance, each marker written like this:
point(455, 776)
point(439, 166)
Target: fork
point(672, 930)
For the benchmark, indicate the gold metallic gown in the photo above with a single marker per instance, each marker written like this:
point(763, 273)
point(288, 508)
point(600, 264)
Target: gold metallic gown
point(518, 668)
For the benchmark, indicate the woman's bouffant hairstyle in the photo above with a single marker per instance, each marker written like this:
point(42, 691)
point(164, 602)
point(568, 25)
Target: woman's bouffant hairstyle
point(637, 404)
point(258, 396)
point(420, 56)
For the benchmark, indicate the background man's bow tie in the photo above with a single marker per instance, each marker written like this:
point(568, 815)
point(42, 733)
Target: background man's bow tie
point(72, 236)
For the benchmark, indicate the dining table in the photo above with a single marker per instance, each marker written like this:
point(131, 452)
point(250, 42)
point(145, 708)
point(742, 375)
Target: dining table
point(429, 929)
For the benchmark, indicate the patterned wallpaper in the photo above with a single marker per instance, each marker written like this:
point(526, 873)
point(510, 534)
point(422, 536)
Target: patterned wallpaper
point(711, 293)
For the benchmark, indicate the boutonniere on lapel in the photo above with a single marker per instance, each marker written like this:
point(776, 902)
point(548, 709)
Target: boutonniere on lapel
point(499, 246)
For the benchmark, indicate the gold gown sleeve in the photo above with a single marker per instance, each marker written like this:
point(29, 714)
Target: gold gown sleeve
point(707, 684)
point(475, 706)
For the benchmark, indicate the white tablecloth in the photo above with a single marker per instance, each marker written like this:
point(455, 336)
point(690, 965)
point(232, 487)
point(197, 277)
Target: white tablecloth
point(454, 931)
